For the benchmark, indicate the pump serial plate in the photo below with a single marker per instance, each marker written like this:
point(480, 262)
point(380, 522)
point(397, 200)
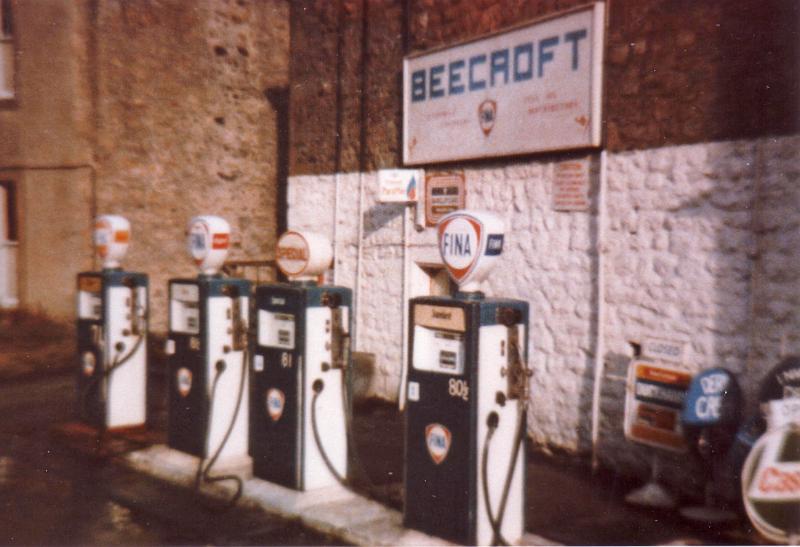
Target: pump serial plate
point(440, 317)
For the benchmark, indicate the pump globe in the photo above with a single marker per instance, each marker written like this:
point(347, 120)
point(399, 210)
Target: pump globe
point(470, 243)
point(303, 255)
point(112, 234)
point(208, 241)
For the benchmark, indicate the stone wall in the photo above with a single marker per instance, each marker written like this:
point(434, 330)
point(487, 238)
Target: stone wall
point(185, 125)
point(688, 255)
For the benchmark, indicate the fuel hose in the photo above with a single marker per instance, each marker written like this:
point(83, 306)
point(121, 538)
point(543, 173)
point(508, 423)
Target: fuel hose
point(203, 471)
point(497, 522)
point(116, 363)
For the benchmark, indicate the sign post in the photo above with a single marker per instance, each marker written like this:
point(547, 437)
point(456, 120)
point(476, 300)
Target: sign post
point(653, 404)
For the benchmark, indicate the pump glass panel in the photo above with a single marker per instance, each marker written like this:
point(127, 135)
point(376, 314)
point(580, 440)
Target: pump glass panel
point(185, 309)
point(438, 350)
point(276, 329)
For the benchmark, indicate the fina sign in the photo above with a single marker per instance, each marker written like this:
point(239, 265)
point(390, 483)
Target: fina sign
point(469, 243)
point(531, 89)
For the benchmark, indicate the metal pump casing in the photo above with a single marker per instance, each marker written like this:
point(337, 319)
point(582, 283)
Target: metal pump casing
point(467, 369)
point(302, 337)
point(112, 313)
point(208, 339)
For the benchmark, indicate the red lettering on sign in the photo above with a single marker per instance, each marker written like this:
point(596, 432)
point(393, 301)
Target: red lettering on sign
point(220, 241)
point(774, 480)
point(291, 253)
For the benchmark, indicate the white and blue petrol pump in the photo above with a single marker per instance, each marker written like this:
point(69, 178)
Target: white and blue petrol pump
point(112, 334)
point(467, 396)
point(301, 364)
point(207, 347)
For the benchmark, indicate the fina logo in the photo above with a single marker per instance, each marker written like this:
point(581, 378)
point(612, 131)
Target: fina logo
point(459, 241)
point(487, 114)
point(184, 377)
point(437, 439)
point(275, 403)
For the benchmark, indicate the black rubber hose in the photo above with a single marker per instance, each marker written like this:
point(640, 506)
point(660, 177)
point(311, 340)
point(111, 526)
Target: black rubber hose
point(491, 422)
point(203, 472)
point(317, 387)
point(497, 522)
point(115, 364)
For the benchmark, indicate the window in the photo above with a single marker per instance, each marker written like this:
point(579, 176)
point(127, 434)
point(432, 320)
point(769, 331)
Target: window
point(6, 51)
point(8, 211)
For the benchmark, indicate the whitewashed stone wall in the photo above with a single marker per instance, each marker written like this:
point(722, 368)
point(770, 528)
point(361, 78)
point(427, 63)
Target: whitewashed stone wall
point(700, 244)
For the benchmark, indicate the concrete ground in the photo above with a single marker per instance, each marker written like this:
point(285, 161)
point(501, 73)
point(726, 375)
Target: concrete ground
point(54, 492)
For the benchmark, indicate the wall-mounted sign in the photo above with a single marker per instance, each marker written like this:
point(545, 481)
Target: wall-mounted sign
point(399, 185)
point(531, 89)
point(571, 182)
point(653, 405)
point(444, 193)
point(663, 350)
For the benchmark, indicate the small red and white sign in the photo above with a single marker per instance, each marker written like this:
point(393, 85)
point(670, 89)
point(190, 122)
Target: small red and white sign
point(438, 440)
point(276, 401)
point(399, 185)
point(184, 381)
point(88, 363)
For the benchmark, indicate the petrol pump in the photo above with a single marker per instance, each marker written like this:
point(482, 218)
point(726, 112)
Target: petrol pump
point(299, 409)
point(112, 334)
point(467, 396)
point(207, 348)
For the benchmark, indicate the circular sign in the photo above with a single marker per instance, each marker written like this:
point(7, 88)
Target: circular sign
point(771, 484)
point(184, 381)
point(88, 363)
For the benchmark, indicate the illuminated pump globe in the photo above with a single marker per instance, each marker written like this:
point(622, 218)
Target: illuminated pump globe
point(303, 256)
point(112, 235)
point(470, 243)
point(208, 239)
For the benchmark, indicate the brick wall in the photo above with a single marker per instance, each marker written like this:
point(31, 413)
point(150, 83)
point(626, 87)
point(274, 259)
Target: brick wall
point(677, 72)
point(185, 125)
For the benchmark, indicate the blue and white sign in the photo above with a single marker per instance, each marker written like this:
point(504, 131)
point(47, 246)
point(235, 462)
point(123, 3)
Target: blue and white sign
point(531, 89)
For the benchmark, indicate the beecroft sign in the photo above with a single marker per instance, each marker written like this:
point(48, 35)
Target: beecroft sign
point(531, 89)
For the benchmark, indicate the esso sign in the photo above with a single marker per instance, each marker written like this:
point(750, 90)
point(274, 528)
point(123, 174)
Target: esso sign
point(469, 244)
point(112, 235)
point(303, 255)
point(208, 239)
point(771, 484)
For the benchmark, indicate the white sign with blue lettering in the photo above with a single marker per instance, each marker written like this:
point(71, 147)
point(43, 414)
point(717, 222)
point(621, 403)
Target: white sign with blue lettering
point(532, 89)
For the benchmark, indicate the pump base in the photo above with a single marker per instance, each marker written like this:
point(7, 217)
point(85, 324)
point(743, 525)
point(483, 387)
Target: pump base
point(708, 514)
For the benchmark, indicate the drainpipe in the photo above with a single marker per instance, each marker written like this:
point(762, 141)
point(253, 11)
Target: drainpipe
point(600, 346)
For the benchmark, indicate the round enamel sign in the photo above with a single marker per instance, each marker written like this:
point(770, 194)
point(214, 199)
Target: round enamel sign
point(771, 484)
